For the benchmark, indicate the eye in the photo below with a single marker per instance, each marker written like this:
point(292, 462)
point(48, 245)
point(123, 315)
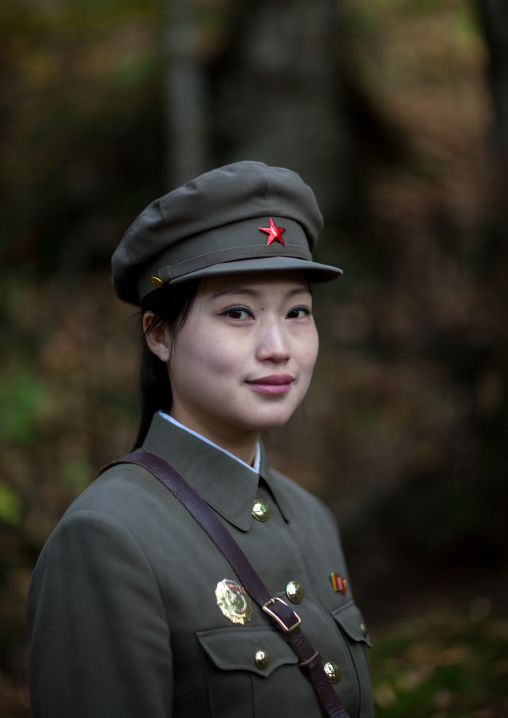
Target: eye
point(240, 313)
point(299, 313)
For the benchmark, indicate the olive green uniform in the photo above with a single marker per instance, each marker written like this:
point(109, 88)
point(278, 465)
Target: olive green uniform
point(122, 608)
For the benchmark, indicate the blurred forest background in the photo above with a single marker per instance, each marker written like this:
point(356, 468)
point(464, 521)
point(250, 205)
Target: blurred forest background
point(396, 113)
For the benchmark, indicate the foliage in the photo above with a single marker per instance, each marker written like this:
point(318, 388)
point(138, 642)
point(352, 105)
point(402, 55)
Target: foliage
point(408, 411)
point(77, 79)
point(443, 664)
point(21, 396)
point(10, 506)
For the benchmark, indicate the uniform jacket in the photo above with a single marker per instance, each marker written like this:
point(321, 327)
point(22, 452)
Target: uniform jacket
point(122, 610)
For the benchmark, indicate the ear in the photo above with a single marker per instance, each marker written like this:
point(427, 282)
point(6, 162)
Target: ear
point(157, 338)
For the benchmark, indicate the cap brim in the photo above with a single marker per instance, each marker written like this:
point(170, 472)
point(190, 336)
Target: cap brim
point(315, 271)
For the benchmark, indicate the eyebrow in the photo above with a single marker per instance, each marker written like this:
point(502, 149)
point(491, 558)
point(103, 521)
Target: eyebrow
point(245, 291)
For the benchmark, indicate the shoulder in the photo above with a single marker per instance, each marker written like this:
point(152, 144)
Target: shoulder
point(115, 522)
point(111, 506)
point(125, 505)
point(118, 491)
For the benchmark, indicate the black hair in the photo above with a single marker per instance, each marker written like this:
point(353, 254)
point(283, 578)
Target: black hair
point(170, 305)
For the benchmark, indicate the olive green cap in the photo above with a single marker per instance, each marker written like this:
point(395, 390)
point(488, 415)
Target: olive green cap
point(244, 217)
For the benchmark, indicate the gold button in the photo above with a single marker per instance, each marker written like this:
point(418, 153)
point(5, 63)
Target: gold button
point(332, 671)
point(294, 592)
point(262, 659)
point(260, 511)
point(364, 629)
point(156, 281)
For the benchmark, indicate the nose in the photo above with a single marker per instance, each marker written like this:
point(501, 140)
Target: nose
point(273, 342)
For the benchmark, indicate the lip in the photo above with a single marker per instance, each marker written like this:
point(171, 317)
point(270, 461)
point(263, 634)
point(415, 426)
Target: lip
point(272, 384)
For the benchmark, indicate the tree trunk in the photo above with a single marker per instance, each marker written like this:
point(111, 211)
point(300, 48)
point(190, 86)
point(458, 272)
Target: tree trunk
point(184, 95)
point(494, 17)
point(276, 95)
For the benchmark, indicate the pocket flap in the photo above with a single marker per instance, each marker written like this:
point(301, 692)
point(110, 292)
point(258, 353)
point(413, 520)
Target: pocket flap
point(234, 649)
point(351, 621)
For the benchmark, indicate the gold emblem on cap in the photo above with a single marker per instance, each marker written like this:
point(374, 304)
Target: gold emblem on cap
point(233, 601)
point(156, 281)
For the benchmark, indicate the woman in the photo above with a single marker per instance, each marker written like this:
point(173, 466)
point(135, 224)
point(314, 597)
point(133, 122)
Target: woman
point(133, 609)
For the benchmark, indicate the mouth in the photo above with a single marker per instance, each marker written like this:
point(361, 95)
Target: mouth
point(273, 384)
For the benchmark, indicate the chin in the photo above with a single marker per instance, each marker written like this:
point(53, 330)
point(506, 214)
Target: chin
point(273, 422)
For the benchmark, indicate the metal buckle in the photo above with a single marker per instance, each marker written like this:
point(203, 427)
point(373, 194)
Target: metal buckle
point(278, 619)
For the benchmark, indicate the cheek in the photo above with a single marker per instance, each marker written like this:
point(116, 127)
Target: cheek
point(210, 357)
point(309, 351)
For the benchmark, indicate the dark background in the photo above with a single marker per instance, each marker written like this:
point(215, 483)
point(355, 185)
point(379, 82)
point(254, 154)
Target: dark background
point(396, 113)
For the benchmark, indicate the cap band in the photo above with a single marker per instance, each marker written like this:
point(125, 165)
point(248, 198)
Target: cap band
point(233, 242)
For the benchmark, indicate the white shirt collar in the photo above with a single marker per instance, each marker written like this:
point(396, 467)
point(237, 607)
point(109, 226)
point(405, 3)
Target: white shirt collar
point(257, 458)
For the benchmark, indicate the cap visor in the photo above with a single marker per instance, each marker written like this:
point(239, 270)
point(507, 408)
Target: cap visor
point(316, 272)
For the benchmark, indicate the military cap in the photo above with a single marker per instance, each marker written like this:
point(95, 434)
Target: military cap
point(243, 217)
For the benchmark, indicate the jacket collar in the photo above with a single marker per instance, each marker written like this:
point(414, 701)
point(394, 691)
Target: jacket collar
point(226, 485)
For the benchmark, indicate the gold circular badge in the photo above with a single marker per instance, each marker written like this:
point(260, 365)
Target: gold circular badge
point(233, 601)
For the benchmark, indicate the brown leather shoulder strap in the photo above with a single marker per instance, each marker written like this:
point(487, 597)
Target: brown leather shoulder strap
point(284, 618)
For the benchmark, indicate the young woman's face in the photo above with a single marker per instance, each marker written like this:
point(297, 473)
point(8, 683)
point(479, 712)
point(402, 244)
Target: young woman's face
point(243, 360)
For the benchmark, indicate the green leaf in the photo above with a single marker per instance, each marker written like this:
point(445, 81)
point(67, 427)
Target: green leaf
point(10, 506)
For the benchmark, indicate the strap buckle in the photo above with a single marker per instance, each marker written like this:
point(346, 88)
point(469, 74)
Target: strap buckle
point(285, 623)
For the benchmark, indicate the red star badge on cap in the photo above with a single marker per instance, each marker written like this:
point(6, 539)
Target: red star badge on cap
point(274, 233)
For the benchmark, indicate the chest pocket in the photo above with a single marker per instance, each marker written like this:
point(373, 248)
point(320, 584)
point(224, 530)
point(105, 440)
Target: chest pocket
point(351, 623)
point(238, 649)
point(350, 620)
point(239, 662)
